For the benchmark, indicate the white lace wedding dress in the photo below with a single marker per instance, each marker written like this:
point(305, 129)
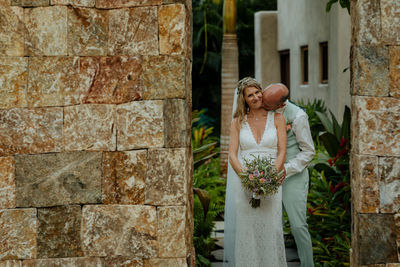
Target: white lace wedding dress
point(253, 237)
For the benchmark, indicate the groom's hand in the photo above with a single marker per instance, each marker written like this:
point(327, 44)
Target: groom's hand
point(283, 176)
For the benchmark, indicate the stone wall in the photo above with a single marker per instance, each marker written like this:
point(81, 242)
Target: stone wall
point(95, 157)
point(375, 155)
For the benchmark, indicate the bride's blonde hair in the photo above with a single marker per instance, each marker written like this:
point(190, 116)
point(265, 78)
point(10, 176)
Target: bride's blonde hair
point(241, 106)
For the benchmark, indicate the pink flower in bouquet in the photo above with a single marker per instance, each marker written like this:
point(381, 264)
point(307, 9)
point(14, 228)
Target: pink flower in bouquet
point(251, 177)
point(261, 173)
point(262, 180)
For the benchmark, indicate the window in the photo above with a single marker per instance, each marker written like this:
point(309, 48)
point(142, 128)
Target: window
point(304, 64)
point(285, 67)
point(323, 51)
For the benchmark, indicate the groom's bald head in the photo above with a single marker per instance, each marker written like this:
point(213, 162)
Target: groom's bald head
point(274, 96)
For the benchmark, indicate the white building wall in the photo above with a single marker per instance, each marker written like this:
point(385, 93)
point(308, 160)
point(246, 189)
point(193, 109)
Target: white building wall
point(305, 22)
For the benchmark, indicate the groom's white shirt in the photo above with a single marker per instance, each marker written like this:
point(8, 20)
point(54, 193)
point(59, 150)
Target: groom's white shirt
point(301, 129)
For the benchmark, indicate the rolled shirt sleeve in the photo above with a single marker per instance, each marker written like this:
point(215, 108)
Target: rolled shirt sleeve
point(301, 129)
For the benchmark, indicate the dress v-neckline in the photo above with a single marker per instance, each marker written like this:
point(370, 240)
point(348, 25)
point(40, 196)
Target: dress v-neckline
point(251, 131)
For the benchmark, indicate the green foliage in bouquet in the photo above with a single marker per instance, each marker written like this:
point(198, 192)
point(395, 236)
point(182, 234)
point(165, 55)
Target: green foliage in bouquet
point(209, 187)
point(260, 178)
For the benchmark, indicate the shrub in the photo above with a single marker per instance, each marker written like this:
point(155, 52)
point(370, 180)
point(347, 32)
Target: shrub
point(209, 187)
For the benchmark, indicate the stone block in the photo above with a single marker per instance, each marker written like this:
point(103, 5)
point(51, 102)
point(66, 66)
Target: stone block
point(377, 238)
point(394, 71)
point(75, 3)
point(46, 31)
point(18, 234)
point(58, 179)
point(12, 31)
point(58, 233)
point(166, 177)
point(171, 29)
point(167, 263)
point(390, 13)
point(13, 80)
point(389, 172)
point(30, 131)
point(171, 231)
point(126, 3)
point(140, 125)
point(371, 71)
point(177, 131)
point(87, 32)
point(392, 265)
point(53, 81)
point(123, 262)
point(62, 262)
point(365, 184)
point(30, 3)
point(11, 263)
point(123, 40)
point(397, 224)
point(5, 3)
point(119, 230)
point(163, 77)
point(7, 183)
point(124, 176)
point(89, 127)
point(366, 18)
point(111, 80)
point(376, 126)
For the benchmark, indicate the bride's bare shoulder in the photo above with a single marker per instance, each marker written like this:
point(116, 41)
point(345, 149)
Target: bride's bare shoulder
point(278, 118)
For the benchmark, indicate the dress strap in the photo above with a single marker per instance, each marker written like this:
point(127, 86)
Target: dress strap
point(271, 119)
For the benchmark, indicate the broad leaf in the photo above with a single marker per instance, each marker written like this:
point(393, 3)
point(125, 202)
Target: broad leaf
point(325, 121)
point(330, 142)
point(328, 171)
point(346, 123)
point(336, 127)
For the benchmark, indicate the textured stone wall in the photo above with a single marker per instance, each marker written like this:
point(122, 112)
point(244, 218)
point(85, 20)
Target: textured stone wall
point(95, 157)
point(375, 155)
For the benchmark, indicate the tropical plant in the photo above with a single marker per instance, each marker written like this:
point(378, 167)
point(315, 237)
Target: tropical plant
point(343, 4)
point(311, 107)
point(329, 196)
point(209, 187)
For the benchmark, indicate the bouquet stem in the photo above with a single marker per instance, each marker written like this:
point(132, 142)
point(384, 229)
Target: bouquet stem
point(255, 201)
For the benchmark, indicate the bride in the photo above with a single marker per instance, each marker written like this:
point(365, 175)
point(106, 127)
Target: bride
point(253, 236)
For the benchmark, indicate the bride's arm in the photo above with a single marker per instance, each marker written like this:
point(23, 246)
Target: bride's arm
point(234, 147)
point(280, 125)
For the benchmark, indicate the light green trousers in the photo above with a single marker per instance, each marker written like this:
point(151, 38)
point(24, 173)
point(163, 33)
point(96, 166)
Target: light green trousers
point(294, 196)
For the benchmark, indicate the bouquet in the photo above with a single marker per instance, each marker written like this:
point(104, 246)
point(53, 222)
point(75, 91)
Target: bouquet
point(260, 177)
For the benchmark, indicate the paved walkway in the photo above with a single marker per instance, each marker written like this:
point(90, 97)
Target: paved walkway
point(218, 234)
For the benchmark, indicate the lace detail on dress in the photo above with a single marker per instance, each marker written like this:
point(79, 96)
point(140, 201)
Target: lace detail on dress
point(254, 237)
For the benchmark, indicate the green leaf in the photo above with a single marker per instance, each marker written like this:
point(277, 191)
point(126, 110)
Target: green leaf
point(204, 147)
point(328, 170)
point(330, 143)
point(336, 127)
point(346, 123)
point(329, 5)
point(197, 163)
point(325, 121)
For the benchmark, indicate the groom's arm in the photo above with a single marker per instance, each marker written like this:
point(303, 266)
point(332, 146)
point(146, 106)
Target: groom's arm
point(301, 129)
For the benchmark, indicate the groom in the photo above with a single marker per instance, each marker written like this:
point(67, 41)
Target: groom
point(299, 152)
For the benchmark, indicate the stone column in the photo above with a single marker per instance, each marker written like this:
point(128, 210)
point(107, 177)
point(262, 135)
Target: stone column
point(375, 132)
point(95, 117)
